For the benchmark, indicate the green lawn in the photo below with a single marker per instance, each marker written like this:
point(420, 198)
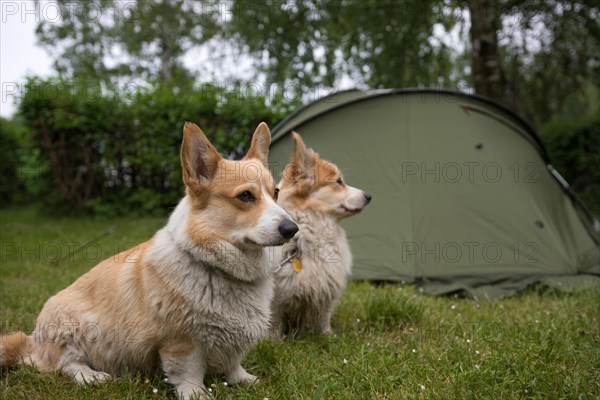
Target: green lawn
point(391, 342)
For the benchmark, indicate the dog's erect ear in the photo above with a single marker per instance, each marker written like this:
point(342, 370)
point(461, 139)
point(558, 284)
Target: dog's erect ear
point(199, 158)
point(259, 147)
point(303, 160)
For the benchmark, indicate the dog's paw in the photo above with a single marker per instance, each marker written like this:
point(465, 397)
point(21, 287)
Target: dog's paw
point(189, 392)
point(248, 378)
point(241, 376)
point(92, 377)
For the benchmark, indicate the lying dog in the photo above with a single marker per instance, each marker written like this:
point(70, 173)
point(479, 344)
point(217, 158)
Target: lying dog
point(190, 301)
point(317, 262)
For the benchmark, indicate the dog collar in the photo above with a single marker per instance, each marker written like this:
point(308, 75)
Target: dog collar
point(293, 257)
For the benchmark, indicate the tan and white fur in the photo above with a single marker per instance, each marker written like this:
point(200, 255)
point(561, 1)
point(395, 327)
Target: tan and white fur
point(315, 195)
point(190, 301)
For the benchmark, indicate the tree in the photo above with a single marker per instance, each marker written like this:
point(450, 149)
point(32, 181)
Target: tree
point(157, 34)
point(381, 43)
point(539, 57)
point(551, 56)
point(83, 34)
point(107, 39)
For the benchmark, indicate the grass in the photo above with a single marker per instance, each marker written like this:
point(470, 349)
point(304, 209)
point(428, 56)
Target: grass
point(391, 341)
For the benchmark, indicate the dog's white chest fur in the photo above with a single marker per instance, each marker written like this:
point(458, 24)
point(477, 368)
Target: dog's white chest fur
point(306, 299)
point(224, 293)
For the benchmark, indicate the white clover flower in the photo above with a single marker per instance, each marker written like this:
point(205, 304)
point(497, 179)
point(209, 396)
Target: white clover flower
point(154, 390)
point(422, 388)
point(345, 361)
point(224, 383)
point(477, 352)
point(414, 350)
point(468, 340)
point(166, 379)
point(453, 306)
point(209, 390)
point(357, 320)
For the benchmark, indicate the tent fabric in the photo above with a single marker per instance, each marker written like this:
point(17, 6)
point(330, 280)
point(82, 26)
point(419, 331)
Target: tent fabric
point(465, 199)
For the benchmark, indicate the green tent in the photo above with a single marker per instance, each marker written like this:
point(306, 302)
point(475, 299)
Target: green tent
point(465, 199)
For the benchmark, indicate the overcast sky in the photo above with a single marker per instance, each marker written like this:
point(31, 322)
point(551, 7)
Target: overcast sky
point(19, 55)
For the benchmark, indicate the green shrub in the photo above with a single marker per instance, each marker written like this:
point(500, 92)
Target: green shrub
point(112, 153)
point(9, 163)
point(574, 147)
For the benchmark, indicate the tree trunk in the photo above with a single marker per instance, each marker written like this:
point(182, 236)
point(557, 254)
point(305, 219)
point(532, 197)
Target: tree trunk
point(167, 63)
point(166, 57)
point(488, 75)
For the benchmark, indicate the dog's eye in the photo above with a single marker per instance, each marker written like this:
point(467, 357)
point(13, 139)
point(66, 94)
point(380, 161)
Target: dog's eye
point(246, 196)
point(340, 181)
point(276, 194)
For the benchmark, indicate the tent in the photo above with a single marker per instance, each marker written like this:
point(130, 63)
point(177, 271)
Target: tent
point(465, 199)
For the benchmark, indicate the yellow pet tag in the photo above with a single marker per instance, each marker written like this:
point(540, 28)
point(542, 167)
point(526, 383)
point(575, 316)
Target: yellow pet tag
point(297, 264)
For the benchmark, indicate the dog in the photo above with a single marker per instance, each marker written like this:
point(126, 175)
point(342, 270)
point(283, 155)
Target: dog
point(191, 301)
point(315, 265)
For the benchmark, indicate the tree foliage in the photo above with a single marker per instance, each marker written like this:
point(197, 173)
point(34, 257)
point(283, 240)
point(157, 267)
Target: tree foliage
point(158, 34)
point(542, 58)
point(380, 43)
point(539, 57)
point(574, 147)
point(81, 34)
point(551, 55)
point(108, 39)
point(11, 185)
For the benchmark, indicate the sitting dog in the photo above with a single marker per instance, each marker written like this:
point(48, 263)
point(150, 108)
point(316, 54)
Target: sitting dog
point(314, 266)
point(190, 301)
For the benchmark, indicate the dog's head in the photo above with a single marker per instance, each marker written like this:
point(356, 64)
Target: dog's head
point(232, 200)
point(311, 183)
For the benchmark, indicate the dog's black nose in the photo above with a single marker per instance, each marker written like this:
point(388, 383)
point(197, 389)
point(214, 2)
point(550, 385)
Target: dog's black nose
point(288, 229)
point(368, 197)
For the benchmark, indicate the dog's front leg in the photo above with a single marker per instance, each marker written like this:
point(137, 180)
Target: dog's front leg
point(324, 321)
point(276, 331)
point(182, 363)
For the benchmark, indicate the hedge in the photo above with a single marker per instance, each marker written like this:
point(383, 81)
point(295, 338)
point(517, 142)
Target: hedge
point(110, 152)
